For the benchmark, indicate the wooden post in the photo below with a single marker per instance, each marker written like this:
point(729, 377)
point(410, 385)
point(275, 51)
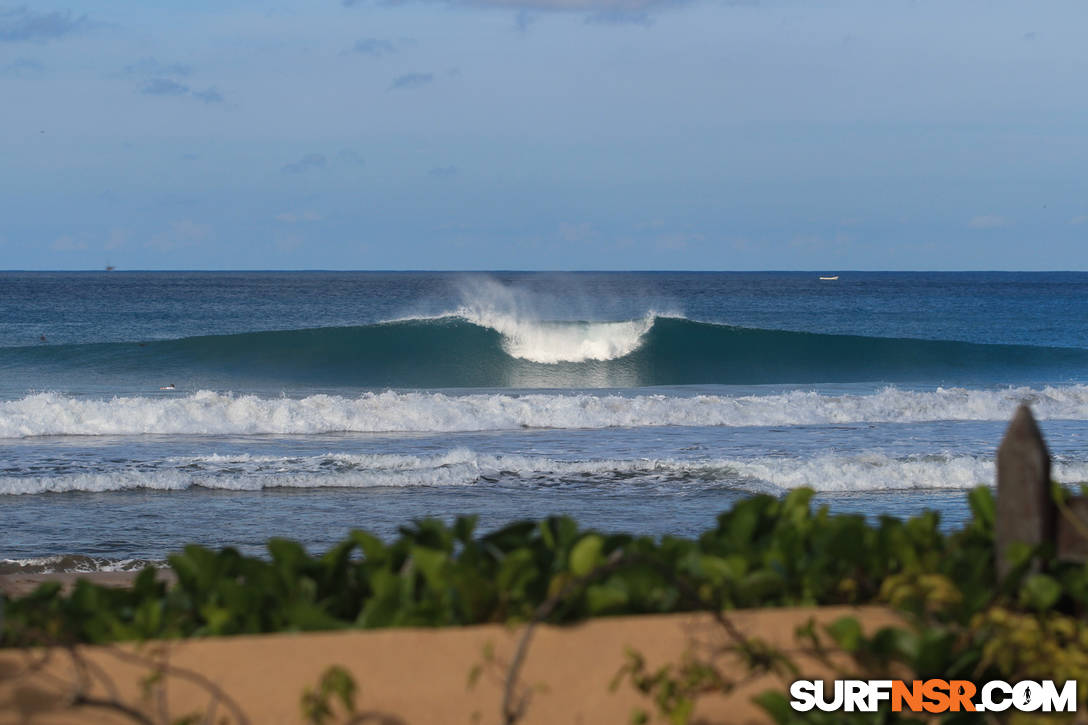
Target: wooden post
point(1025, 510)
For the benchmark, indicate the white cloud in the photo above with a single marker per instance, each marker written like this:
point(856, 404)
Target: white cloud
point(1083, 218)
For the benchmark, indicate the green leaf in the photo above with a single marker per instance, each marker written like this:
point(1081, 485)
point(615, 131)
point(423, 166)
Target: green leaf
point(586, 554)
point(846, 631)
point(983, 506)
point(605, 598)
point(432, 564)
point(777, 705)
point(373, 548)
point(1040, 592)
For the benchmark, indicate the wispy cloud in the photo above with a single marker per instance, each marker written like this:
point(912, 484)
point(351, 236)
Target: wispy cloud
point(632, 11)
point(19, 24)
point(164, 87)
point(306, 163)
point(22, 67)
point(164, 79)
point(350, 157)
point(376, 47)
point(411, 80)
point(988, 222)
point(208, 95)
point(148, 66)
point(523, 19)
point(1082, 219)
point(171, 87)
point(620, 17)
point(314, 161)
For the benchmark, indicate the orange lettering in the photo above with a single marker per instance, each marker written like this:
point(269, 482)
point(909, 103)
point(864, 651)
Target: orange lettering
point(936, 692)
point(913, 696)
point(961, 692)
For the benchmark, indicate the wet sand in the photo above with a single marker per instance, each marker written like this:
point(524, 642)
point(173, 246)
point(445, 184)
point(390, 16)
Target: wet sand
point(17, 585)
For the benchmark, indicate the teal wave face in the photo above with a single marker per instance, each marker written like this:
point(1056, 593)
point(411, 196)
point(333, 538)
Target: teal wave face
point(680, 351)
point(453, 352)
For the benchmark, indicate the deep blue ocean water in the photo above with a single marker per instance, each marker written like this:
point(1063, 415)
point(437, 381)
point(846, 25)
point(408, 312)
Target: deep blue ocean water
point(305, 404)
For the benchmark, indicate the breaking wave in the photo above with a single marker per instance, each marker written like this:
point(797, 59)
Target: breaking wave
point(864, 471)
point(210, 413)
point(483, 348)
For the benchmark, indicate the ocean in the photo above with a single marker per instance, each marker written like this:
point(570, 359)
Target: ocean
point(306, 404)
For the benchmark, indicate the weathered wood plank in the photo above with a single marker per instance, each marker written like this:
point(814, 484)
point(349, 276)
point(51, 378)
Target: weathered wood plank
point(1025, 511)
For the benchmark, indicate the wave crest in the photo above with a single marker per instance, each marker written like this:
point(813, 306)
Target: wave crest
point(864, 471)
point(210, 413)
point(556, 342)
point(487, 348)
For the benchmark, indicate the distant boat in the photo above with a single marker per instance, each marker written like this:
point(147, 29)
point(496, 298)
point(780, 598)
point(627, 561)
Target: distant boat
point(830, 279)
point(109, 267)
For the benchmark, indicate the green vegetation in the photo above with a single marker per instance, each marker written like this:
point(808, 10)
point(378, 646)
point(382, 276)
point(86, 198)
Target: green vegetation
point(318, 704)
point(766, 551)
point(961, 622)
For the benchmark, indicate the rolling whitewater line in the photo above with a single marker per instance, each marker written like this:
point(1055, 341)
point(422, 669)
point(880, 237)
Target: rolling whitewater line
point(210, 413)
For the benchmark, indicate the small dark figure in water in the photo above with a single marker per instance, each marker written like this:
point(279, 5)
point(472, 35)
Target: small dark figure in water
point(42, 338)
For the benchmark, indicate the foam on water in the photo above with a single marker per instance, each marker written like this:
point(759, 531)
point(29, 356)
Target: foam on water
point(210, 413)
point(556, 342)
point(73, 563)
point(524, 319)
point(864, 471)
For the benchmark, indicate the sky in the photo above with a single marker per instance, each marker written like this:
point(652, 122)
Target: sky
point(544, 134)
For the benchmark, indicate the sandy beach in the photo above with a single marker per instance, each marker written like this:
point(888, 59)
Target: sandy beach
point(17, 585)
point(413, 675)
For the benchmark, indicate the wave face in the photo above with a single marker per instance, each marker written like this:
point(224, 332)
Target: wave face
point(485, 349)
point(209, 413)
point(863, 471)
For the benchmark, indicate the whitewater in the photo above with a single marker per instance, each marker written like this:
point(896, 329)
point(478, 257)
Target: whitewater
point(308, 404)
point(210, 413)
point(870, 471)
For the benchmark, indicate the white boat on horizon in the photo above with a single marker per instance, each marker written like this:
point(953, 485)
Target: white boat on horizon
point(830, 279)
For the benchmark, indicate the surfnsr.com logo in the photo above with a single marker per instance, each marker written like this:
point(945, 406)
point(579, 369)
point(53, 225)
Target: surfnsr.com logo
point(934, 696)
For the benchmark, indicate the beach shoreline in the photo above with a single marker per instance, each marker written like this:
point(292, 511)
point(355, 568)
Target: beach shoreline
point(20, 584)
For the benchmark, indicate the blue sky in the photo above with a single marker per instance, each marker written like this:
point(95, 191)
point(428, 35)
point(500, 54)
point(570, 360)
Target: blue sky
point(544, 134)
